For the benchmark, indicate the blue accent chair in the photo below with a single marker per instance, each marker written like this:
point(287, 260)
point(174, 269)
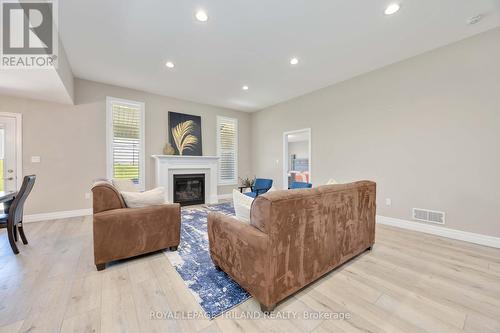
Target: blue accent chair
point(260, 186)
point(296, 185)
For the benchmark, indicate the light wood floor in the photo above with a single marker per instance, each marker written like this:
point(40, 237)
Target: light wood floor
point(410, 282)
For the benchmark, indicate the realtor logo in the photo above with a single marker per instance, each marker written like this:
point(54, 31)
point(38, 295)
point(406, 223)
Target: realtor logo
point(29, 37)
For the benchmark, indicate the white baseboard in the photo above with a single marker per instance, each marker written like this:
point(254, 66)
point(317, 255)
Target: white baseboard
point(441, 231)
point(57, 215)
point(225, 196)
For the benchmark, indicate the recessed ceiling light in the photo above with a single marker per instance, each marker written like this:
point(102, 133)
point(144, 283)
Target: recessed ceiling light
point(294, 61)
point(475, 19)
point(169, 64)
point(392, 9)
point(244, 87)
point(201, 16)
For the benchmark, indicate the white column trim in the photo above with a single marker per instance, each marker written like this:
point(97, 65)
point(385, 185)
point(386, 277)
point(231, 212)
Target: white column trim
point(19, 145)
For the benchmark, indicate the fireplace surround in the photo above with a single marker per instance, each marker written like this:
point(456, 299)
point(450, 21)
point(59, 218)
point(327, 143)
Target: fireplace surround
point(167, 166)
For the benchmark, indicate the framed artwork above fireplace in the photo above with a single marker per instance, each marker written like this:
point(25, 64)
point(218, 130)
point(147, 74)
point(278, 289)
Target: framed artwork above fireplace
point(184, 134)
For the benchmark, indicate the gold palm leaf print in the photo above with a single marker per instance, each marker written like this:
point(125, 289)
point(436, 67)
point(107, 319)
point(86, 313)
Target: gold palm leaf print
point(183, 138)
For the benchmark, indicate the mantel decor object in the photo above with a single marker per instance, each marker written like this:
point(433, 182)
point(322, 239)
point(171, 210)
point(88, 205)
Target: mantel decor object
point(168, 149)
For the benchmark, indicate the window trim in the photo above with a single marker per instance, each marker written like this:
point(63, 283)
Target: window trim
point(231, 181)
point(109, 137)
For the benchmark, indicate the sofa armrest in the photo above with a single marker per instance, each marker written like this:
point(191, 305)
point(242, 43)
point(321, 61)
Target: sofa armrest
point(126, 232)
point(241, 250)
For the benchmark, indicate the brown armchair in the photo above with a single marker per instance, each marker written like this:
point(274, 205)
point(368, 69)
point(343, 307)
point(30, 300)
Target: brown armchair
point(121, 232)
point(294, 237)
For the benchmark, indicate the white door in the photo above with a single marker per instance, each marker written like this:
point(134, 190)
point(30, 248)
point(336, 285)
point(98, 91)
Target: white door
point(8, 154)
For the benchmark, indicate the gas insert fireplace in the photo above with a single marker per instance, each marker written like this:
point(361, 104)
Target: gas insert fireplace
point(189, 189)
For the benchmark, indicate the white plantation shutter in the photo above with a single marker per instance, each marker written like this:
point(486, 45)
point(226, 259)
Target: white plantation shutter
point(125, 120)
point(227, 150)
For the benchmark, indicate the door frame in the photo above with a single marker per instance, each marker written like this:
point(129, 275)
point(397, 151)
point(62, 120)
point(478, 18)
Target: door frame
point(19, 145)
point(285, 154)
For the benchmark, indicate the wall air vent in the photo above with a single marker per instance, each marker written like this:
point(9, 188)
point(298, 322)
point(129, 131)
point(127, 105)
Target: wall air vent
point(426, 215)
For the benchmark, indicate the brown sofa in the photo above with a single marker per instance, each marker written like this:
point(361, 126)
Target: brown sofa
point(294, 237)
point(121, 232)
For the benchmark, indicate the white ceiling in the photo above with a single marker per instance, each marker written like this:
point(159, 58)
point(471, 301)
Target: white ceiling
point(127, 43)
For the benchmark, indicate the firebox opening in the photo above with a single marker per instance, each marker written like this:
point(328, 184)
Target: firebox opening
point(189, 189)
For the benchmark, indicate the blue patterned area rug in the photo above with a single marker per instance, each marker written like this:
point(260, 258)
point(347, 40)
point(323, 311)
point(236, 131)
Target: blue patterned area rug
point(214, 290)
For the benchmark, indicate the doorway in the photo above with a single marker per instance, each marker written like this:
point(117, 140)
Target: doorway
point(296, 157)
point(10, 151)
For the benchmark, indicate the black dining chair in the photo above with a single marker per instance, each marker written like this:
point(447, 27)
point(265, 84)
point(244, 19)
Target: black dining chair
point(13, 219)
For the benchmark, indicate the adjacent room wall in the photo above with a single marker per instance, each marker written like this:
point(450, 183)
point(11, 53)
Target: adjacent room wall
point(299, 148)
point(427, 130)
point(71, 140)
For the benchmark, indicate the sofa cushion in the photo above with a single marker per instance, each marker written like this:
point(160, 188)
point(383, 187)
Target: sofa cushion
point(242, 204)
point(124, 185)
point(144, 199)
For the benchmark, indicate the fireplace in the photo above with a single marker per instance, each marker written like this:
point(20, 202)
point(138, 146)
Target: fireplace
point(166, 166)
point(189, 189)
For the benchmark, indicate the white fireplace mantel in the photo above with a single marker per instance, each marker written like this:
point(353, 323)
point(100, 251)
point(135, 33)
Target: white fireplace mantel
point(166, 166)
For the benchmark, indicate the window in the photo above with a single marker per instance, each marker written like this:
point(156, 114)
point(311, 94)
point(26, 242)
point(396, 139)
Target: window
point(125, 140)
point(227, 150)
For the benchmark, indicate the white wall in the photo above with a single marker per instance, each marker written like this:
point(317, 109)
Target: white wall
point(71, 141)
point(427, 130)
